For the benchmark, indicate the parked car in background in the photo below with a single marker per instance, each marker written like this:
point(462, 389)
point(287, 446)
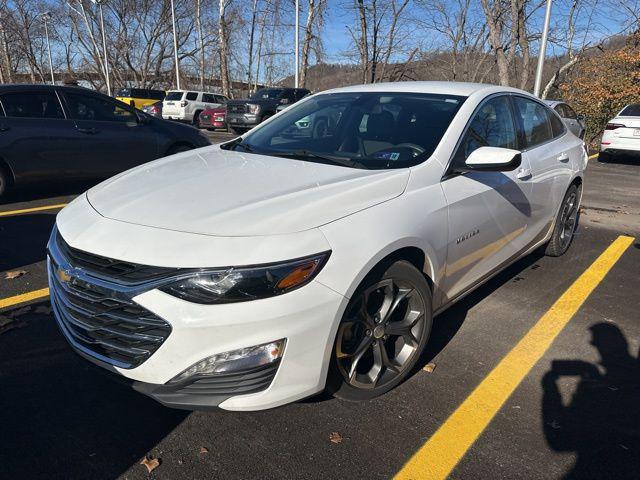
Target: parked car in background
point(213, 118)
point(574, 122)
point(139, 97)
point(245, 114)
point(186, 106)
point(622, 133)
point(154, 109)
point(259, 272)
point(52, 133)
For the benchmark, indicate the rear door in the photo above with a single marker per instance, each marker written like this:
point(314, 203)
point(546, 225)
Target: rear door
point(489, 212)
point(36, 138)
point(548, 150)
point(109, 136)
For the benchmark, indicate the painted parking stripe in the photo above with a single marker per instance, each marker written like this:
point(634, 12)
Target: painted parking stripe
point(437, 458)
point(34, 209)
point(593, 156)
point(24, 298)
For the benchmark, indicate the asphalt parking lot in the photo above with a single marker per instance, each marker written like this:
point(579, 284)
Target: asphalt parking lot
point(488, 401)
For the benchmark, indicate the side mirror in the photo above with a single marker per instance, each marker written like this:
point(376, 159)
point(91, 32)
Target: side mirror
point(580, 117)
point(493, 159)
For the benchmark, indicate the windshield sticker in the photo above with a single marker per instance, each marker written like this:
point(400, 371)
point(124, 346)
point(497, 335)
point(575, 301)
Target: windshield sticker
point(387, 155)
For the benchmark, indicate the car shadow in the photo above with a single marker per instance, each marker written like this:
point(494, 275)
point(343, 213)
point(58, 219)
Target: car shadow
point(24, 239)
point(59, 420)
point(621, 158)
point(447, 324)
point(599, 422)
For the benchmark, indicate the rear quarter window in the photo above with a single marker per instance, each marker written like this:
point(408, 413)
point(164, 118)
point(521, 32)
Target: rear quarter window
point(192, 96)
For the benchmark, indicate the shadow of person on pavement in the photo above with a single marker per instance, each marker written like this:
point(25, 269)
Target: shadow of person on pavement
point(601, 423)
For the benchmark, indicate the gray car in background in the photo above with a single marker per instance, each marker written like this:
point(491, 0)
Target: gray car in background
point(571, 119)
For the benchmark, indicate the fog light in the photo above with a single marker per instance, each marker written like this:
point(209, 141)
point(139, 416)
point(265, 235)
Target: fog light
point(235, 360)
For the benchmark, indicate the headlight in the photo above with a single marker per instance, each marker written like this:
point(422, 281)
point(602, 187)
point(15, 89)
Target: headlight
point(252, 108)
point(247, 283)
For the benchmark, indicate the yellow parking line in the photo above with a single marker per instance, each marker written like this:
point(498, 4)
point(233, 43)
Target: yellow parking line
point(437, 458)
point(23, 298)
point(34, 209)
point(593, 156)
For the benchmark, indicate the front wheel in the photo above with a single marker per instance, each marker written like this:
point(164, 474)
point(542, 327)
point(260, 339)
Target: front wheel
point(382, 333)
point(566, 223)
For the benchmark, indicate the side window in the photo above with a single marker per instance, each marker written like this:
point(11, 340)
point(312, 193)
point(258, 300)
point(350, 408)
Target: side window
point(491, 126)
point(570, 112)
point(560, 110)
point(534, 120)
point(192, 96)
point(557, 125)
point(32, 105)
point(220, 99)
point(208, 98)
point(89, 107)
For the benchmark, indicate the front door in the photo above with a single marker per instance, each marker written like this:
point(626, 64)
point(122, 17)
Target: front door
point(489, 212)
point(110, 137)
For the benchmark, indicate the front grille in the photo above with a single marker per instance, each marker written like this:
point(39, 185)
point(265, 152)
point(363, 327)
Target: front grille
point(240, 108)
point(117, 271)
point(99, 317)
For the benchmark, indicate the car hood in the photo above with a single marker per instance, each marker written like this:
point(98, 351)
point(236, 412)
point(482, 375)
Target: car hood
point(217, 192)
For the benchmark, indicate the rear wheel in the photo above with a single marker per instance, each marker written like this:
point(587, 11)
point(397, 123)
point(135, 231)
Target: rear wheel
point(382, 333)
point(566, 223)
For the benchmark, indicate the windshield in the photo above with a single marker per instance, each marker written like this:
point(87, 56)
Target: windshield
point(174, 96)
point(124, 92)
point(369, 130)
point(631, 110)
point(266, 94)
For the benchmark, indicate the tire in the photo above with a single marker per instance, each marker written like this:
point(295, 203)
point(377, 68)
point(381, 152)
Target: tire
point(178, 148)
point(4, 182)
point(385, 347)
point(566, 223)
point(196, 118)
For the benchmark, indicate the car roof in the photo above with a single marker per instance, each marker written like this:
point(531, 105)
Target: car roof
point(444, 88)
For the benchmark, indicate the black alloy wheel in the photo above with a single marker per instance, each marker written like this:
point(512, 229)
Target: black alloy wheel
point(382, 333)
point(566, 223)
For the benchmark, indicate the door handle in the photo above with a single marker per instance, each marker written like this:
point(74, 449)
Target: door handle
point(4, 128)
point(563, 157)
point(88, 131)
point(523, 174)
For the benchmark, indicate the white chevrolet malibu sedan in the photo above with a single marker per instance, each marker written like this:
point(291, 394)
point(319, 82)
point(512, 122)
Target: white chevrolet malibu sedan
point(295, 260)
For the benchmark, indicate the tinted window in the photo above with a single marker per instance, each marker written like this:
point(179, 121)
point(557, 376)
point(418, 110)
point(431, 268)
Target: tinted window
point(123, 92)
point(32, 105)
point(376, 130)
point(208, 98)
point(89, 107)
point(632, 110)
point(172, 96)
point(192, 95)
point(156, 95)
point(492, 126)
point(557, 125)
point(221, 99)
point(569, 112)
point(267, 93)
point(534, 120)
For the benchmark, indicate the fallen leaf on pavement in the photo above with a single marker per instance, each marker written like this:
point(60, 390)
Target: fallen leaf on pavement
point(150, 463)
point(429, 367)
point(335, 437)
point(14, 274)
point(204, 450)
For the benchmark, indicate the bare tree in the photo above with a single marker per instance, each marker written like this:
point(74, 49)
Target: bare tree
point(223, 47)
point(315, 16)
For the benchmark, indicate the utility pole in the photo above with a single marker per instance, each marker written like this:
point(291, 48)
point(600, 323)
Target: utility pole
point(46, 16)
point(543, 49)
point(104, 45)
point(175, 45)
point(297, 42)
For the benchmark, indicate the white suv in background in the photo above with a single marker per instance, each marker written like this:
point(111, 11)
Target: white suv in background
point(187, 105)
point(622, 133)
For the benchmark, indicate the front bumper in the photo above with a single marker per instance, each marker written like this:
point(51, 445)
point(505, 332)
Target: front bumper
point(242, 120)
point(307, 318)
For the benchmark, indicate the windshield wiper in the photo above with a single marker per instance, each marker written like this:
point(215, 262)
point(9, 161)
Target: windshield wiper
point(343, 162)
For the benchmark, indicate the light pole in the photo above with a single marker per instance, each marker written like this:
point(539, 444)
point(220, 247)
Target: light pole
point(175, 45)
point(543, 49)
point(104, 45)
point(297, 42)
point(46, 16)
